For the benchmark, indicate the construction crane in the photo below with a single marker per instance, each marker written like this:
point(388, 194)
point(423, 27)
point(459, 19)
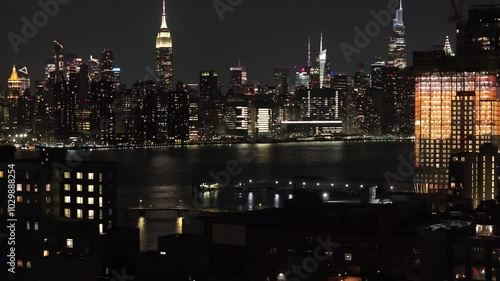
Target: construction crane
point(457, 11)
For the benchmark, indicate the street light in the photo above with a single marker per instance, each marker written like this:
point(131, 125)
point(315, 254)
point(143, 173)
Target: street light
point(140, 203)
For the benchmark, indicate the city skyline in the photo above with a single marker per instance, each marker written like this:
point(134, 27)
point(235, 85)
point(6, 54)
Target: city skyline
point(135, 56)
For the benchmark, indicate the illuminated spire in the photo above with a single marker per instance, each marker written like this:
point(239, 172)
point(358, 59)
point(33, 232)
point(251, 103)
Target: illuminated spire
point(309, 51)
point(321, 43)
point(399, 15)
point(164, 38)
point(14, 76)
point(447, 47)
point(164, 17)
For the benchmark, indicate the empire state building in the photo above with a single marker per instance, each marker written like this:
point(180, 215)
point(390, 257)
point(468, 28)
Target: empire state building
point(164, 54)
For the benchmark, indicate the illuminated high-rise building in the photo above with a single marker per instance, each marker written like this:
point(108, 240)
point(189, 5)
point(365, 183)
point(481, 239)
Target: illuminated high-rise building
point(280, 79)
point(210, 102)
point(14, 90)
point(94, 69)
point(480, 34)
point(64, 86)
point(144, 106)
point(164, 55)
point(102, 93)
point(236, 116)
point(456, 110)
point(397, 41)
point(164, 76)
point(178, 114)
point(106, 65)
point(324, 66)
point(236, 83)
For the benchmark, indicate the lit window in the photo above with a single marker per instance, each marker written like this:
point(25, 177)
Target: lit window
point(1, 174)
point(79, 200)
point(79, 188)
point(19, 187)
point(36, 226)
point(28, 225)
point(67, 213)
point(163, 253)
point(47, 187)
point(67, 187)
point(67, 199)
point(91, 214)
point(67, 175)
point(79, 213)
point(101, 228)
point(19, 199)
point(91, 176)
point(69, 243)
point(91, 188)
point(348, 256)
point(100, 201)
point(100, 177)
point(20, 263)
point(91, 201)
point(46, 253)
point(28, 264)
point(79, 176)
point(28, 188)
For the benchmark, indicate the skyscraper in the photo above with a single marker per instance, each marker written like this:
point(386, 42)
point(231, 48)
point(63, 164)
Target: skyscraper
point(481, 33)
point(210, 100)
point(236, 83)
point(14, 86)
point(280, 79)
point(324, 71)
point(64, 98)
point(178, 114)
point(102, 96)
point(107, 65)
point(164, 66)
point(397, 41)
point(164, 76)
point(456, 110)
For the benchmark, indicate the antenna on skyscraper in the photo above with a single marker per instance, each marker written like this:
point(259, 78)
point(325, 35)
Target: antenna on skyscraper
point(309, 51)
point(321, 43)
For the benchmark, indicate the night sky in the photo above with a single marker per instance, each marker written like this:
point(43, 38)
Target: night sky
point(266, 33)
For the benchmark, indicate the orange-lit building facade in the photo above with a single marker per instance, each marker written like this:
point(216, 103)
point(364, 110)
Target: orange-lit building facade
point(456, 110)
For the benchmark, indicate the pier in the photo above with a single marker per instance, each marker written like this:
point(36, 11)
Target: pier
point(181, 211)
